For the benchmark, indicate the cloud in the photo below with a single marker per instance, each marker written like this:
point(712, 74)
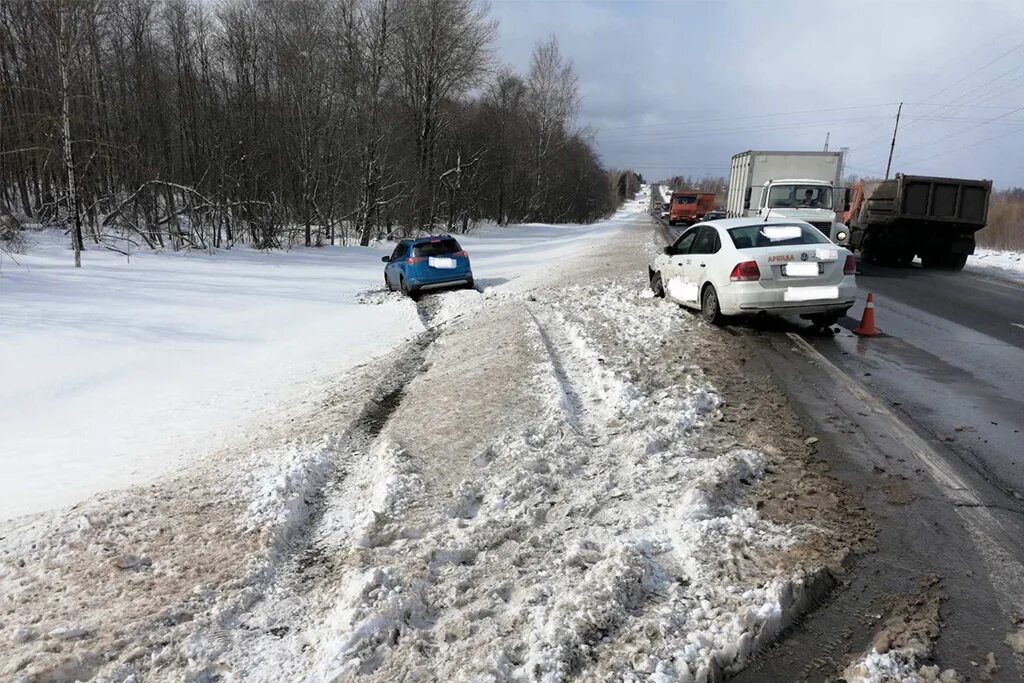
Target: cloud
point(679, 87)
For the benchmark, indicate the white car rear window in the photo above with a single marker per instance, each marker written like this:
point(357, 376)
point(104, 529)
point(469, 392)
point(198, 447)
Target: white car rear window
point(774, 235)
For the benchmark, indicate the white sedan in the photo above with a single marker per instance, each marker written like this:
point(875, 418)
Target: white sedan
point(745, 266)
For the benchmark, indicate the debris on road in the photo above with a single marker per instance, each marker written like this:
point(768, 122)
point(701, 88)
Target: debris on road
point(899, 650)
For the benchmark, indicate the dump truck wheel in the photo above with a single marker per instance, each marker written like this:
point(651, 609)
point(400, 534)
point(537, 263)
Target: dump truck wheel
point(903, 259)
point(867, 249)
point(956, 261)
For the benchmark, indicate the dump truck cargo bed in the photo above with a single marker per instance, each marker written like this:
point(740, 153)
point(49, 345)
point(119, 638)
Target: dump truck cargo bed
point(932, 217)
point(930, 199)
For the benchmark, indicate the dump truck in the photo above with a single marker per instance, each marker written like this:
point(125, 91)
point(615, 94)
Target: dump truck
point(800, 185)
point(689, 206)
point(892, 221)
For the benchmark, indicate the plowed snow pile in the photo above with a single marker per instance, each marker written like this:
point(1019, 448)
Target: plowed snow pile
point(545, 486)
point(1008, 264)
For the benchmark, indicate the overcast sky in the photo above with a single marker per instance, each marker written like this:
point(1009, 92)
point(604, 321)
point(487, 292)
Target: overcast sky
point(678, 87)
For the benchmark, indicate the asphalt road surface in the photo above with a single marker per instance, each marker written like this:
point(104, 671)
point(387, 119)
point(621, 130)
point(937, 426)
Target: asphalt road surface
point(926, 423)
point(952, 361)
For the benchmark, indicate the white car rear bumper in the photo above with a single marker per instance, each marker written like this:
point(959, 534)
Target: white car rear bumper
point(745, 298)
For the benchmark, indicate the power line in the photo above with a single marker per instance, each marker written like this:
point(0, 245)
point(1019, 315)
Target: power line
point(930, 120)
point(964, 106)
point(696, 132)
point(902, 156)
point(962, 147)
point(980, 68)
point(670, 124)
point(949, 87)
point(965, 130)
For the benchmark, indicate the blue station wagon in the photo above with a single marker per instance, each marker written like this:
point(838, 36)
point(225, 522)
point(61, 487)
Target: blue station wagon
point(427, 263)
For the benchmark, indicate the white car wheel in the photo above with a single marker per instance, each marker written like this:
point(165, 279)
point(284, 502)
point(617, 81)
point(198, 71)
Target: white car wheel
point(657, 286)
point(709, 307)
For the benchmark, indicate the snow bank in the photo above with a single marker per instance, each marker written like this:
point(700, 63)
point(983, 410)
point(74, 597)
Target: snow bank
point(645, 585)
point(609, 539)
point(282, 484)
point(606, 532)
point(1009, 264)
point(899, 665)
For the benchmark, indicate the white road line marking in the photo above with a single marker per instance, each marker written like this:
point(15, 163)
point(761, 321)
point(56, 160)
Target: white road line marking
point(989, 535)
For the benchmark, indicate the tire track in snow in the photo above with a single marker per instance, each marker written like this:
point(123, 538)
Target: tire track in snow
point(592, 394)
point(570, 400)
point(284, 597)
point(359, 438)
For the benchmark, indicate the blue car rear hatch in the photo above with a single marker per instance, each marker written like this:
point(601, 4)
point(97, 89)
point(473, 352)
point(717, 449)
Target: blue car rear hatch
point(437, 261)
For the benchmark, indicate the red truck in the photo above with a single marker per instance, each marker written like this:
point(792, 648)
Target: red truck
point(689, 206)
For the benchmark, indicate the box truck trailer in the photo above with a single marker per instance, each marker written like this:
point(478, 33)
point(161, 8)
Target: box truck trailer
point(800, 185)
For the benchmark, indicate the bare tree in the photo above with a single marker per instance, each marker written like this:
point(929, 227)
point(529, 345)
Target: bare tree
point(67, 24)
point(180, 124)
point(369, 92)
point(553, 92)
point(443, 52)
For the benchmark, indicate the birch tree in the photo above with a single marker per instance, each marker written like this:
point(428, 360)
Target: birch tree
point(67, 29)
point(553, 92)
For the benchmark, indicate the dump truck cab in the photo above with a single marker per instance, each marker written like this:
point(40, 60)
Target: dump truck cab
point(689, 206)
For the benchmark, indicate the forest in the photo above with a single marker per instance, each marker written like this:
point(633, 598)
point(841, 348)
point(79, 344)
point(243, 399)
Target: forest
point(191, 124)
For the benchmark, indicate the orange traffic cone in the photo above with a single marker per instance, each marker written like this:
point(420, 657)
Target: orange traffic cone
point(867, 322)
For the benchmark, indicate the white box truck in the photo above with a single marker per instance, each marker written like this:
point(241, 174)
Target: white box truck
point(801, 185)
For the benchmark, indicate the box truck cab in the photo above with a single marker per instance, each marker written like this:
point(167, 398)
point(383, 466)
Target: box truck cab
point(796, 185)
point(805, 199)
point(688, 206)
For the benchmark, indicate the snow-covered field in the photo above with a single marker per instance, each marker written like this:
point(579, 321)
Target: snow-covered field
point(125, 369)
point(1008, 264)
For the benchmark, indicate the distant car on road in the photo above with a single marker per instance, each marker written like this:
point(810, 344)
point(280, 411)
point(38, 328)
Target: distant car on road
point(746, 266)
point(427, 263)
point(714, 216)
point(665, 210)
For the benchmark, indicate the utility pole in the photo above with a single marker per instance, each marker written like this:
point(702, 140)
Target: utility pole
point(827, 135)
point(888, 166)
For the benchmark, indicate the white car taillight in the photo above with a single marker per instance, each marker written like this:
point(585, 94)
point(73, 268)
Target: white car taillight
point(745, 272)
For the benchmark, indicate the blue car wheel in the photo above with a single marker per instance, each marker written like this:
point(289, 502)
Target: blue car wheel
point(411, 292)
